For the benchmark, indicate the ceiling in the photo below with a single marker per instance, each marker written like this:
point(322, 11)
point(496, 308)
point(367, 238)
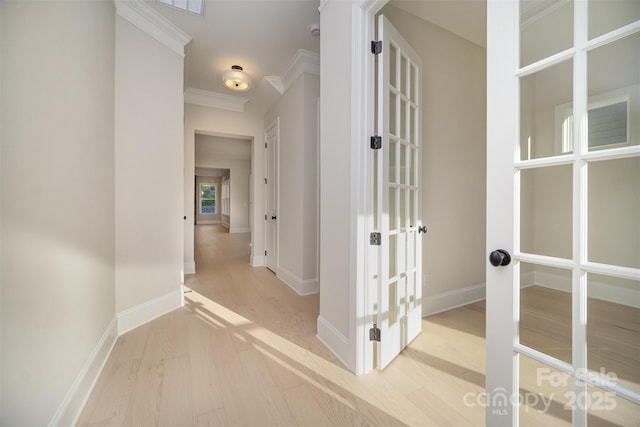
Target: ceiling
point(263, 36)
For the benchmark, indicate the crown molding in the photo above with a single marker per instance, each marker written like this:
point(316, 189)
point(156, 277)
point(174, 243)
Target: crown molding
point(303, 61)
point(153, 23)
point(214, 100)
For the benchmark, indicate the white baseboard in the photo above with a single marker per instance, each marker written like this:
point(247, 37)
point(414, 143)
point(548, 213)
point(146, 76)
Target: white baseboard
point(301, 286)
point(444, 301)
point(337, 343)
point(77, 396)
point(208, 222)
point(136, 316)
point(595, 289)
point(239, 229)
point(258, 260)
point(189, 267)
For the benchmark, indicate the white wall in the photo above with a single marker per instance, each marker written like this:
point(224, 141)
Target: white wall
point(250, 124)
point(336, 262)
point(215, 152)
point(57, 268)
point(148, 170)
point(453, 161)
point(297, 181)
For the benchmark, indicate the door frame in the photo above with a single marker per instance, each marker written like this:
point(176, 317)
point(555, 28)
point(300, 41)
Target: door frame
point(275, 123)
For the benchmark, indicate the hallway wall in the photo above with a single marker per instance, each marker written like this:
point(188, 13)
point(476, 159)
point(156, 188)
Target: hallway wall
point(57, 192)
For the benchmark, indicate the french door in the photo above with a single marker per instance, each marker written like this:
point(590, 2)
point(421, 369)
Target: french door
point(563, 213)
point(271, 187)
point(397, 204)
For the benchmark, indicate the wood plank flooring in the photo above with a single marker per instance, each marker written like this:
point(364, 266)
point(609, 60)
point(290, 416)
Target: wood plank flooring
point(243, 351)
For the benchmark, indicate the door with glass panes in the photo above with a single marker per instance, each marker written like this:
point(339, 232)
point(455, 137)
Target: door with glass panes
point(563, 213)
point(398, 249)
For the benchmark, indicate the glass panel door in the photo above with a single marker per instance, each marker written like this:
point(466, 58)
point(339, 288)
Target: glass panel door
point(566, 167)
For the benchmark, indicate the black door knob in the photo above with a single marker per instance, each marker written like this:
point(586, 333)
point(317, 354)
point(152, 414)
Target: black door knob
point(273, 218)
point(422, 229)
point(499, 257)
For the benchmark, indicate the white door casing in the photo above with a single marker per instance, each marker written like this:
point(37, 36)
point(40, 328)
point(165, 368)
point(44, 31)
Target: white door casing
point(399, 302)
point(271, 192)
point(507, 167)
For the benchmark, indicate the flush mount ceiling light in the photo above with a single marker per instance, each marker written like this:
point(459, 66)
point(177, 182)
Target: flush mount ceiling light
point(236, 79)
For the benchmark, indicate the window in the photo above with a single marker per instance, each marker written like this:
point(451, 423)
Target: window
point(207, 199)
point(194, 6)
point(608, 122)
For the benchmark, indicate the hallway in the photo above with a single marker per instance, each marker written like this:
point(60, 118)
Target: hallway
point(243, 351)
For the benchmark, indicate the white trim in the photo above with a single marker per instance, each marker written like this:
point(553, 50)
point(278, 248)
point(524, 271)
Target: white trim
point(362, 119)
point(136, 316)
point(189, 267)
point(208, 221)
point(238, 229)
point(432, 304)
point(303, 61)
point(73, 403)
point(337, 343)
point(153, 23)
point(257, 261)
point(221, 101)
point(301, 286)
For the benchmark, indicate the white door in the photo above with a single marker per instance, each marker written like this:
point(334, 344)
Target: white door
point(271, 191)
point(563, 199)
point(397, 211)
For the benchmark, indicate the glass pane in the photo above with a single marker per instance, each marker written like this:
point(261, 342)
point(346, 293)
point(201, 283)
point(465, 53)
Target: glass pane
point(412, 125)
point(545, 310)
point(393, 240)
point(411, 290)
point(604, 408)
point(546, 28)
point(412, 208)
point(393, 303)
point(403, 208)
point(393, 125)
point(545, 395)
point(614, 212)
point(393, 73)
point(613, 329)
point(403, 164)
point(403, 120)
point(546, 211)
point(393, 213)
point(614, 94)
point(607, 15)
point(195, 6)
point(546, 100)
point(403, 75)
point(392, 161)
point(414, 164)
point(414, 89)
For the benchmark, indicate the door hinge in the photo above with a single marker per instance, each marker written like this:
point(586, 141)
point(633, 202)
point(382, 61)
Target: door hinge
point(265, 217)
point(376, 142)
point(265, 253)
point(375, 239)
point(265, 180)
point(265, 145)
point(374, 333)
point(376, 47)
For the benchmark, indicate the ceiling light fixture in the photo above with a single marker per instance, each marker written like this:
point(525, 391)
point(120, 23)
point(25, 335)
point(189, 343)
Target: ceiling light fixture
point(236, 79)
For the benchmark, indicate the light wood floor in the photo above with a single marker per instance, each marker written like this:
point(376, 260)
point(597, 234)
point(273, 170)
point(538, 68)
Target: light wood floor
point(243, 352)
